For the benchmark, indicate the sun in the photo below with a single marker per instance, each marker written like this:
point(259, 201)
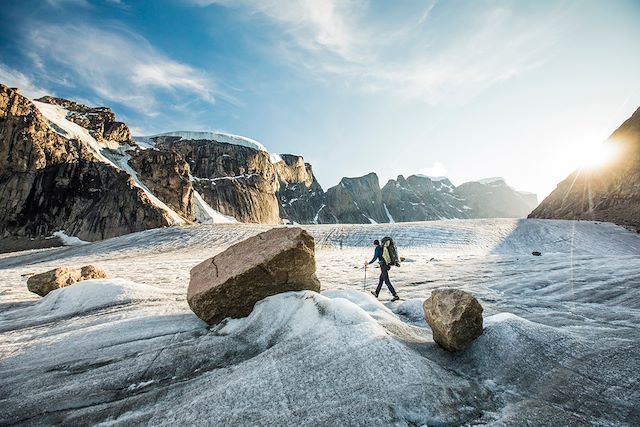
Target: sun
point(596, 156)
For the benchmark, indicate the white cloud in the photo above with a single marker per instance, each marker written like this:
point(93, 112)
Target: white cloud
point(406, 54)
point(14, 78)
point(436, 170)
point(61, 3)
point(117, 65)
point(314, 25)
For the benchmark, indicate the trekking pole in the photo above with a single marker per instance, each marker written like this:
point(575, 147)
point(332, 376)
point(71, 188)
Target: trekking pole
point(364, 283)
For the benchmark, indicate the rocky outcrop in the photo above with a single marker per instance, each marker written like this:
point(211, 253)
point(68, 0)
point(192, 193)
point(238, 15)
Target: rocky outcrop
point(301, 197)
point(608, 193)
point(100, 121)
point(235, 180)
point(61, 277)
point(232, 282)
point(357, 200)
point(49, 182)
point(415, 198)
point(493, 198)
point(166, 174)
point(420, 198)
point(455, 318)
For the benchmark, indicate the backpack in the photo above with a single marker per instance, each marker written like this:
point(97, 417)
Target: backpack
point(390, 252)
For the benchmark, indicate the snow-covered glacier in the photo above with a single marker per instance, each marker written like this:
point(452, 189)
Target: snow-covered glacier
point(560, 345)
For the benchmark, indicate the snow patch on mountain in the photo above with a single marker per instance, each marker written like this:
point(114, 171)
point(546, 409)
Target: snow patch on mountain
point(56, 118)
point(493, 180)
point(69, 240)
point(386, 211)
point(121, 159)
point(205, 214)
point(223, 137)
point(433, 178)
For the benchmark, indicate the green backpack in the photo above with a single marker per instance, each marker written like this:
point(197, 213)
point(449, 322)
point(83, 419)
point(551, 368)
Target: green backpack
point(390, 252)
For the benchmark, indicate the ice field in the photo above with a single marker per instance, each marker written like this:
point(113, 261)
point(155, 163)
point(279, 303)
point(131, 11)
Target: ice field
point(560, 345)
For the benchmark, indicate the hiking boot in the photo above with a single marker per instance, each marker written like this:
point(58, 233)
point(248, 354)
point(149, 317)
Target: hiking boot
point(395, 298)
point(374, 294)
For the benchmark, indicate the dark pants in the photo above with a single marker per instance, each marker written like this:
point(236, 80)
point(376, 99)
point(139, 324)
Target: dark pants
point(384, 277)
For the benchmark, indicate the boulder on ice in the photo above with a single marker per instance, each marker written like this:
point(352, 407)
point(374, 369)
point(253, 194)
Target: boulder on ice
point(232, 282)
point(61, 277)
point(455, 317)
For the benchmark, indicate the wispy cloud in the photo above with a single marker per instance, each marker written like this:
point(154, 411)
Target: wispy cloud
point(314, 25)
point(407, 54)
point(117, 65)
point(14, 78)
point(61, 3)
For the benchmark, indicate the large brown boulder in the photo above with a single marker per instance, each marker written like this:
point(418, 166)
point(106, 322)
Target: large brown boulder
point(455, 317)
point(61, 277)
point(232, 282)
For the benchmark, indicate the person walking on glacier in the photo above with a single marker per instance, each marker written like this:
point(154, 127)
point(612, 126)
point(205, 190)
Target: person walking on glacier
point(384, 271)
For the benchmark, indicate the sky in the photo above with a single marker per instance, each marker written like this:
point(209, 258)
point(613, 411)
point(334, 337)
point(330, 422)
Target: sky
point(466, 89)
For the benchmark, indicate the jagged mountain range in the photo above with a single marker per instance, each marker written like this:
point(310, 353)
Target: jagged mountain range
point(67, 166)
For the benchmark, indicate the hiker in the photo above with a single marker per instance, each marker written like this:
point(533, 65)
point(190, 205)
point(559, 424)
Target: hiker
point(384, 271)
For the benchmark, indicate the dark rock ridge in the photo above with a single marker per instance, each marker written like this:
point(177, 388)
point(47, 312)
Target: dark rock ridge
point(493, 198)
point(420, 198)
point(608, 193)
point(357, 200)
point(301, 197)
point(49, 182)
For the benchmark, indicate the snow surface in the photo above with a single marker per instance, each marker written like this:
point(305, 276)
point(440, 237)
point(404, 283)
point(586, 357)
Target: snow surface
point(69, 240)
point(205, 214)
point(559, 346)
point(224, 137)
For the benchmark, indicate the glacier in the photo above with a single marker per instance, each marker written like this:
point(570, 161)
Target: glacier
point(559, 346)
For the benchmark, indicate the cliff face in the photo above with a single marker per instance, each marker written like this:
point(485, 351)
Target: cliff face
point(357, 200)
point(100, 121)
point(49, 182)
point(67, 166)
point(495, 199)
point(301, 197)
point(166, 174)
point(235, 180)
point(608, 193)
point(420, 198)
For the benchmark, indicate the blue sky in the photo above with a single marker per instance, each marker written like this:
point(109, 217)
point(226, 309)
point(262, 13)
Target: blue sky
point(466, 89)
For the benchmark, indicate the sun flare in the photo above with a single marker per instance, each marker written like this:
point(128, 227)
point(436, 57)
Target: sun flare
point(596, 156)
